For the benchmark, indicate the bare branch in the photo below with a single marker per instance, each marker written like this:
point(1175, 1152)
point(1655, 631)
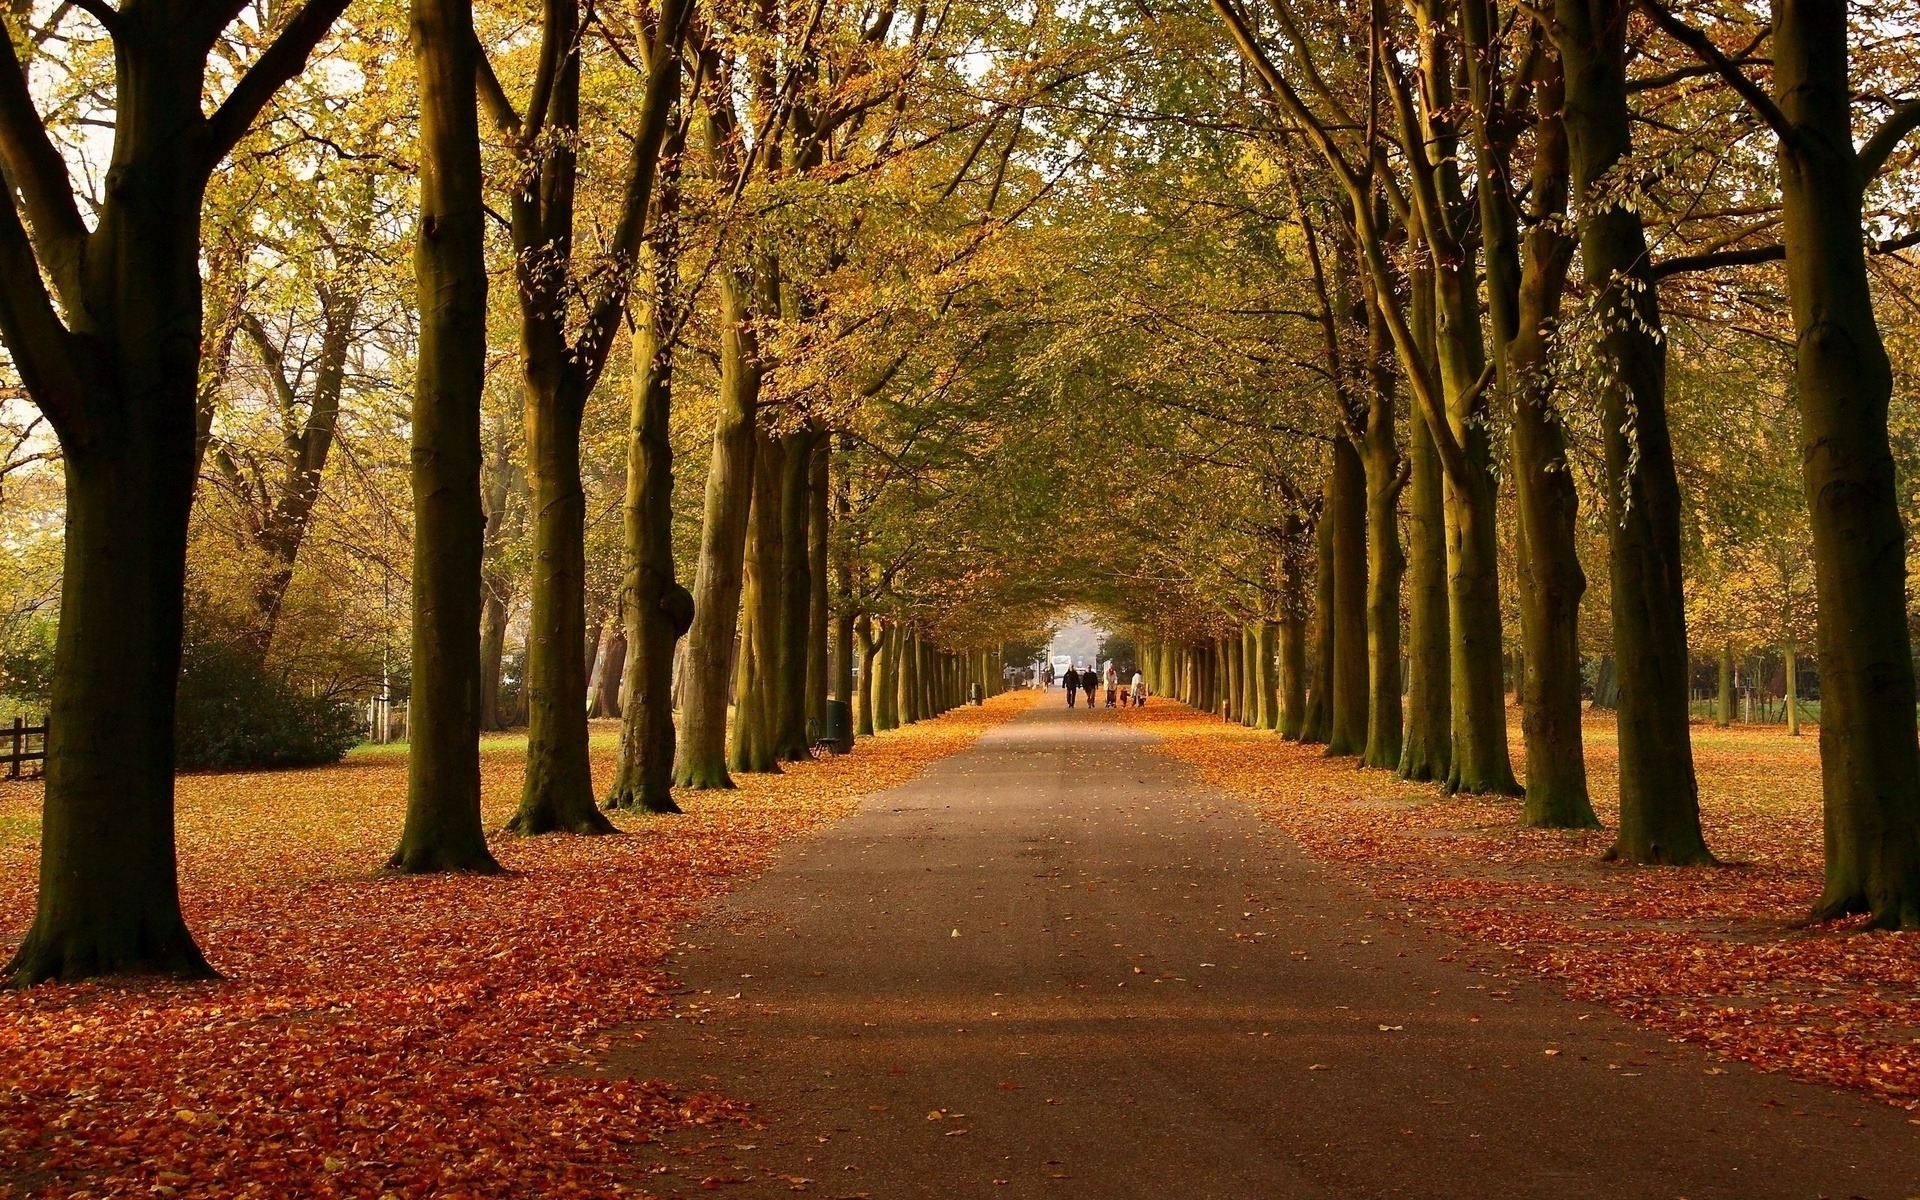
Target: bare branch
point(1710, 54)
point(1872, 157)
point(281, 61)
point(37, 170)
point(44, 351)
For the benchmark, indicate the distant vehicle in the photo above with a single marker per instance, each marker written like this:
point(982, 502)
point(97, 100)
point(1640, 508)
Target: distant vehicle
point(1060, 664)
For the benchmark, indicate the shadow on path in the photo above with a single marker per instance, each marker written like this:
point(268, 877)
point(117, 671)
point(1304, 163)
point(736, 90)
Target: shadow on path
point(1057, 966)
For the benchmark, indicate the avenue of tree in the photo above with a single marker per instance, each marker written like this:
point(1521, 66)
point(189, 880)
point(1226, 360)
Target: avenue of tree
point(714, 365)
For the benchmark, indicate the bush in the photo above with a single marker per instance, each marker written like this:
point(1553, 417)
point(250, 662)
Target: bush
point(26, 664)
point(236, 714)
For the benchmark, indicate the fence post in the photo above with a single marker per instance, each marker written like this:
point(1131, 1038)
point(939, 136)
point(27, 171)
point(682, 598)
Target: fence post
point(19, 745)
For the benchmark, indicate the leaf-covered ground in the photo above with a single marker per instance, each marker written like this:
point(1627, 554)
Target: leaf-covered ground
point(1709, 955)
point(391, 1037)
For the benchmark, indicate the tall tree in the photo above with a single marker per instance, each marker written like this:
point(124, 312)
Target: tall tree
point(562, 354)
point(1869, 758)
point(442, 830)
point(1659, 796)
point(112, 357)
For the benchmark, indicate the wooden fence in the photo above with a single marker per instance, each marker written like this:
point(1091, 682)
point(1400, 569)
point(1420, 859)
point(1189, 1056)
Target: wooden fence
point(28, 744)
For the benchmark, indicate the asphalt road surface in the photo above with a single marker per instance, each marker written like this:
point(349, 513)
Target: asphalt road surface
point(1058, 966)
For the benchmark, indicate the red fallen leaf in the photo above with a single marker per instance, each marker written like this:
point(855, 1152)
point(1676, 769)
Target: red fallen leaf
point(1707, 955)
point(430, 1037)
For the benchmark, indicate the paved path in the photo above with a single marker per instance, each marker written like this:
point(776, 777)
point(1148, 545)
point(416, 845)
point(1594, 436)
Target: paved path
point(1106, 980)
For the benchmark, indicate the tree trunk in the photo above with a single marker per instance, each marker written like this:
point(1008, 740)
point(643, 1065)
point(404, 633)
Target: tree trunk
point(1267, 644)
point(1230, 677)
point(557, 795)
point(909, 682)
point(886, 680)
point(788, 698)
point(1426, 750)
point(1386, 564)
point(1790, 651)
point(1659, 798)
point(109, 895)
point(1347, 510)
point(820, 682)
point(701, 758)
point(613, 659)
point(657, 610)
point(504, 500)
point(493, 647)
point(755, 747)
point(869, 646)
point(1869, 759)
point(442, 831)
point(1319, 722)
point(1525, 292)
point(1723, 708)
point(305, 454)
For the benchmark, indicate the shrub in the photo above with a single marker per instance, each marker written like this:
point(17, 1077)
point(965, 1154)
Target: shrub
point(236, 714)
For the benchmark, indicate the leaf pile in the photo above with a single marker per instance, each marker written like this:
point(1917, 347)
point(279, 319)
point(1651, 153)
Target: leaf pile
point(1712, 955)
point(392, 1037)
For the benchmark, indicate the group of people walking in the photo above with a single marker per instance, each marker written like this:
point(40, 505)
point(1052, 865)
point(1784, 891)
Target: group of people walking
point(1121, 691)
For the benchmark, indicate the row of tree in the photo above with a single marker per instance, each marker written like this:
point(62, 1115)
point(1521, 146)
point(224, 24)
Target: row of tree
point(1447, 165)
point(1207, 317)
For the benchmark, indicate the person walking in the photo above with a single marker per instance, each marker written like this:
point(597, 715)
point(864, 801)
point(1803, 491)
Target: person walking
point(1113, 683)
point(1072, 679)
point(1139, 690)
point(1090, 683)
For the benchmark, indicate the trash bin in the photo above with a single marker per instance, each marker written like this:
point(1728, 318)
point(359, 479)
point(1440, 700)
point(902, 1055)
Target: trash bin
point(979, 695)
point(840, 726)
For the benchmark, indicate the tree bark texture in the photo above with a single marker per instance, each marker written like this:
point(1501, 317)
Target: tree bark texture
point(1869, 758)
point(1426, 749)
point(754, 748)
point(1386, 563)
point(700, 761)
point(1347, 511)
point(1319, 722)
point(869, 650)
point(788, 698)
point(820, 681)
point(1525, 281)
point(656, 609)
point(442, 831)
point(1659, 797)
point(886, 679)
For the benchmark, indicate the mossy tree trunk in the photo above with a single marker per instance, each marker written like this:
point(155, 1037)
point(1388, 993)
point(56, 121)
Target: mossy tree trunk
point(886, 679)
point(1426, 749)
point(788, 697)
point(821, 680)
point(1659, 798)
point(1347, 513)
point(1292, 665)
point(754, 746)
point(1386, 563)
point(869, 650)
point(1723, 705)
point(1267, 646)
point(1524, 287)
point(1869, 757)
point(442, 830)
point(1319, 720)
point(700, 761)
point(561, 359)
point(656, 609)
